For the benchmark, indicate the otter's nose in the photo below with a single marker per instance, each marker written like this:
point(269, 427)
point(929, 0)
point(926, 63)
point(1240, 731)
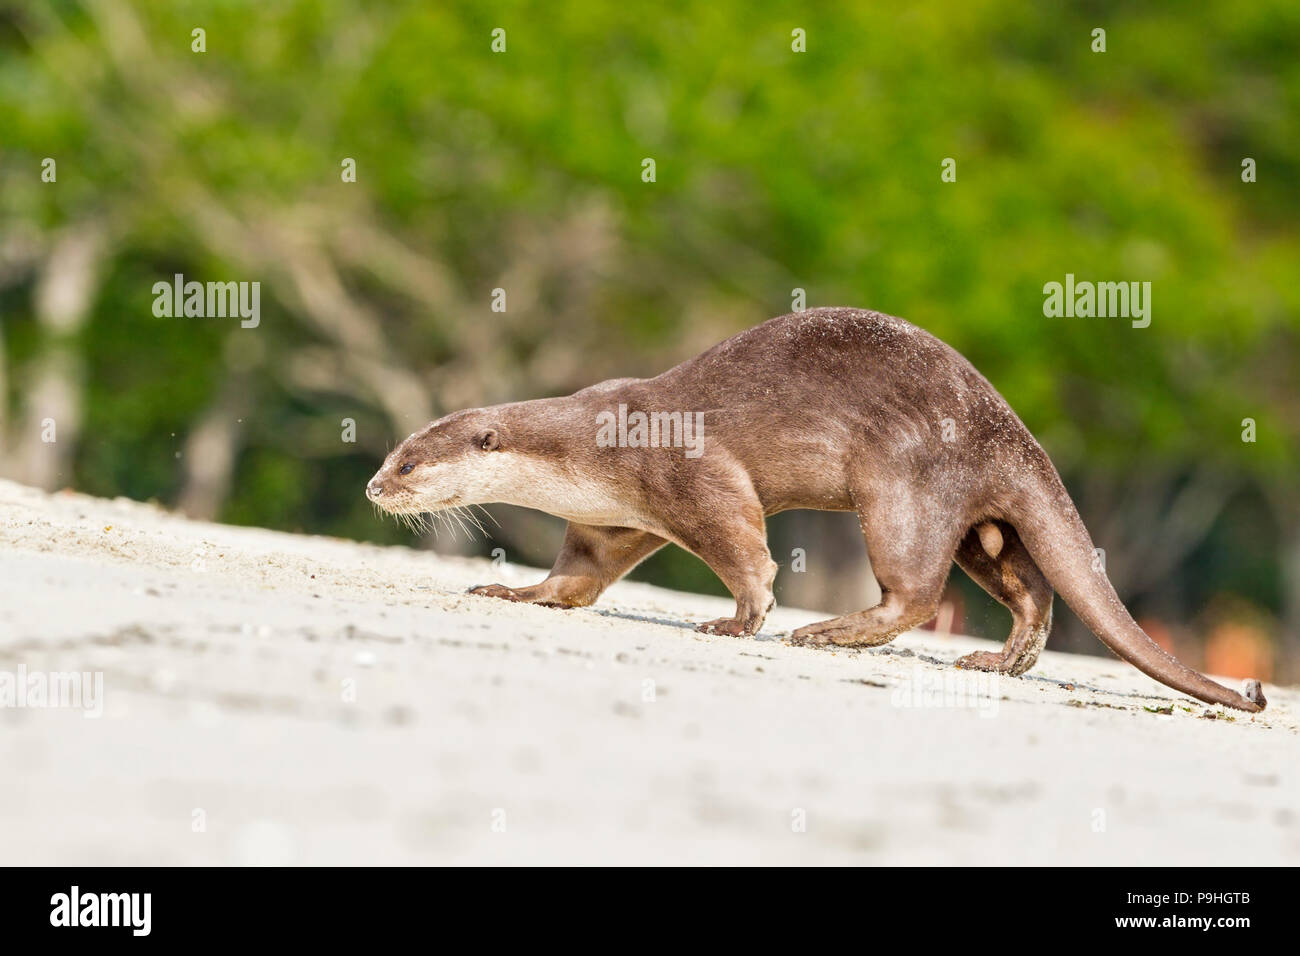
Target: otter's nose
point(374, 489)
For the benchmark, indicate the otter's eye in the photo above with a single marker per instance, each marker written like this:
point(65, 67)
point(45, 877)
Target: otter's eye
point(406, 469)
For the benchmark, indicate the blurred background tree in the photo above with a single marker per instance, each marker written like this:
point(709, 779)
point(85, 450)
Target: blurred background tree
point(775, 170)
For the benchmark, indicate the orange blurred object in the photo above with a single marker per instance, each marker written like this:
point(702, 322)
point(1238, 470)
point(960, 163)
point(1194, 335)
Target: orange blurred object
point(1235, 649)
point(1159, 632)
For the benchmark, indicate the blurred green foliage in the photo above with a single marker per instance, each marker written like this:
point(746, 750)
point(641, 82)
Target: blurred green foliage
point(775, 170)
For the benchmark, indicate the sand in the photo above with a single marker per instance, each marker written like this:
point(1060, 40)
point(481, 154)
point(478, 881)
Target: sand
point(286, 699)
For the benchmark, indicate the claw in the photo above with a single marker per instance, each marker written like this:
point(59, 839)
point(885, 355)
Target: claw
point(496, 591)
point(728, 626)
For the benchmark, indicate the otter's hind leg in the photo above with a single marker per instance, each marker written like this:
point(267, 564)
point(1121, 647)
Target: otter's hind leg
point(591, 559)
point(910, 547)
point(995, 558)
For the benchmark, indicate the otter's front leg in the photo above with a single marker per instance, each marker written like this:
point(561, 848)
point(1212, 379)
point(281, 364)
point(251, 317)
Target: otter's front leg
point(735, 548)
point(591, 559)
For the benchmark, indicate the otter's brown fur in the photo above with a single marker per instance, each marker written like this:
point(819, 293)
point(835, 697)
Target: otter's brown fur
point(831, 409)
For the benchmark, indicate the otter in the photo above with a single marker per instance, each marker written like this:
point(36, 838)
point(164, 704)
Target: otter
point(833, 409)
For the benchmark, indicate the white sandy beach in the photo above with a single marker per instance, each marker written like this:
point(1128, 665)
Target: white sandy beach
point(277, 698)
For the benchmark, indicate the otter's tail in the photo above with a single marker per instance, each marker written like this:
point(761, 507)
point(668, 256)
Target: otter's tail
point(1051, 529)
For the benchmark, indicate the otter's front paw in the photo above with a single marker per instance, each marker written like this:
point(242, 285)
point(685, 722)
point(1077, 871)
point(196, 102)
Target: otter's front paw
point(498, 591)
point(539, 594)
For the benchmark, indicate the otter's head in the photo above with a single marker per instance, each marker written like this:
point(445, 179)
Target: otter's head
point(462, 459)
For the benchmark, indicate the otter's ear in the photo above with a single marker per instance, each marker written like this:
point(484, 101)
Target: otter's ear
point(488, 440)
